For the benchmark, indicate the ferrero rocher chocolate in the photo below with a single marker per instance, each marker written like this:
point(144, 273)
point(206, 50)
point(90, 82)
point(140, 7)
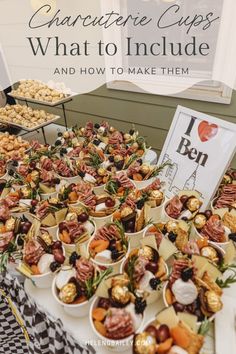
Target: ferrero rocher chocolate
point(68, 293)
point(213, 300)
point(158, 196)
point(227, 179)
point(10, 224)
point(200, 220)
point(34, 175)
point(145, 169)
point(102, 171)
point(26, 192)
point(193, 204)
point(148, 253)
point(144, 343)
point(210, 253)
point(172, 226)
point(47, 238)
point(120, 294)
point(126, 211)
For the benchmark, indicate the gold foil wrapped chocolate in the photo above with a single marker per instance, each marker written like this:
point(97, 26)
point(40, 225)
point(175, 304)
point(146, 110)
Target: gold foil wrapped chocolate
point(68, 293)
point(148, 253)
point(34, 175)
point(10, 224)
point(144, 343)
point(145, 169)
point(26, 192)
point(158, 196)
point(47, 238)
point(126, 211)
point(227, 179)
point(120, 294)
point(193, 204)
point(214, 303)
point(200, 220)
point(172, 226)
point(102, 172)
point(210, 253)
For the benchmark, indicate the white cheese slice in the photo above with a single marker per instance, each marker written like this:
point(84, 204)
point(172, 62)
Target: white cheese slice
point(44, 263)
point(103, 257)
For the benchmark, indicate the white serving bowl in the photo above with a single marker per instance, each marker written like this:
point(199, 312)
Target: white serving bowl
point(69, 248)
point(115, 265)
point(118, 345)
point(155, 294)
point(74, 310)
point(219, 245)
point(5, 176)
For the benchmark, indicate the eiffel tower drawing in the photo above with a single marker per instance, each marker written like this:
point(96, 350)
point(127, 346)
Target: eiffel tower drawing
point(191, 181)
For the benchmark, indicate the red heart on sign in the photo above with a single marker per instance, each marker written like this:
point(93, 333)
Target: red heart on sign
point(207, 131)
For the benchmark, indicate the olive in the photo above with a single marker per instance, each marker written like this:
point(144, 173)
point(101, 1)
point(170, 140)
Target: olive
point(163, 333)
point(110, 203)
point(104, 303)
point(34, 202)
point(178, 307)
point(83, 217)
point(152, 330)
point(25, 227)
point(152, 267)
point(58, 256)
point(57, 245)
point(111, 158)
point(184, 199)
point(208, 214)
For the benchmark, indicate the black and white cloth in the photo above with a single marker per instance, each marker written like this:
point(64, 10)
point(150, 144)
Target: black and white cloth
point(27, 329)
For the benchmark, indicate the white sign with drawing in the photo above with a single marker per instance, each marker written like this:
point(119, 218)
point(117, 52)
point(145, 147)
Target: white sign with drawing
point(200, 149)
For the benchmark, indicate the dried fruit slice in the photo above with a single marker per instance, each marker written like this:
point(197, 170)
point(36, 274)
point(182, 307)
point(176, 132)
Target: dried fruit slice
point(100, 328)
point(99, 314)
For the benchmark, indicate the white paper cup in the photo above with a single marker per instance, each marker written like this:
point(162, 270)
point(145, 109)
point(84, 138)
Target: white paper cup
point(42, 281)
point(101, 221)
point(52, 231)
point(165, 216)
point(118, 345)
point(45, 196)
point(73, 247)
point(143, 184)
point(156, 214)
point(155, 294)
point(218, 245)
point(115, 265)
point(74, 310)
point(135, 237)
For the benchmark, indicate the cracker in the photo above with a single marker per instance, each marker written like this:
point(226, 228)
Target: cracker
point(140, 221)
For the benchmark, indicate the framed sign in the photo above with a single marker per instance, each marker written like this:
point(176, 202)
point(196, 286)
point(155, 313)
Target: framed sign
point(200, 149)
